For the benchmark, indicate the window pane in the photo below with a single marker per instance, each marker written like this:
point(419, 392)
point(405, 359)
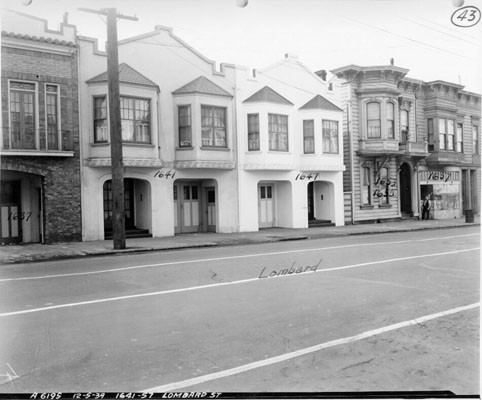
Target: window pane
point(185, 133)
point(278, 132)
point(330, 136)
point(253, 132)
point(213, 121)
point(309, 136)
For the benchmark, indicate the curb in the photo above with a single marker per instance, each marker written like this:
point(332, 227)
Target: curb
point(39, 257)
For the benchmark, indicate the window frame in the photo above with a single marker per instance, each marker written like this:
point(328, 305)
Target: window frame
point(187, 142)
point(379, 130)
point(253, 134)
point(430, 131)
point(278, 133)
point(390, 122)
point(136, 120)
point(327, 134)
point(308, 136)
point(57, 116)
point(404, 129)
point(459, 138)
point(105, 119)
point(22, 123)
point(213, 127)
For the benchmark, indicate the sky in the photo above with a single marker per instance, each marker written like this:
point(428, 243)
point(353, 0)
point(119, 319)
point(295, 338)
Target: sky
point(325, 34)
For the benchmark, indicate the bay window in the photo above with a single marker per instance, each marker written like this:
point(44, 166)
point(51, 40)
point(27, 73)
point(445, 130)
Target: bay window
point(459, 137)
point(373, 120)
point(403, 126)
point(213, 126)
point(390, 121)
point(330, 136)
point(253, 132)
point(308, 136)
point(278, 132)
point(184, 122)
point(442, 132)
point(135, 120)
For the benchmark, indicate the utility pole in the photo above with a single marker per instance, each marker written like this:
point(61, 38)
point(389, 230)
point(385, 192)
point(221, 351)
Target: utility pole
point(118, 211)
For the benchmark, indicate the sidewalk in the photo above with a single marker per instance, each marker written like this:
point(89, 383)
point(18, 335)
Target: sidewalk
point(40, 252)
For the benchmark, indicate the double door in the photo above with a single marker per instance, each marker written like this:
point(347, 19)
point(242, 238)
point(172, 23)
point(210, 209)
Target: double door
point(195, 207)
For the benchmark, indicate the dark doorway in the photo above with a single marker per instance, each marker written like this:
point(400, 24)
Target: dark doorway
point(128, 204)
point(11, 213)
point(405, 190)
point(311, 208)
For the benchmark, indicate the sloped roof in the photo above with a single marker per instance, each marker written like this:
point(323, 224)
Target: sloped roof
point(319, 102)
point(202, 85)
point(127, 74)
point(267, 95)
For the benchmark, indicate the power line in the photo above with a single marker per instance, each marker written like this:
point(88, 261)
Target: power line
point(417, 42)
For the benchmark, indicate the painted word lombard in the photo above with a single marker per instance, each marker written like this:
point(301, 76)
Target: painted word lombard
point(289, 271)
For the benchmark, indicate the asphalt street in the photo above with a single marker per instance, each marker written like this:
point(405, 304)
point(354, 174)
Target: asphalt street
point(391, 312)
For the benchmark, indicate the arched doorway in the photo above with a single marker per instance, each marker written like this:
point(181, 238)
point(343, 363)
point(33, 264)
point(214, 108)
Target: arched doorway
point(405, 190)
point(137, 208)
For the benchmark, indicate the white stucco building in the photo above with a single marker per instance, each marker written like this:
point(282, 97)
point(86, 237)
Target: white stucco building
point(290, 147)
point(179, 134)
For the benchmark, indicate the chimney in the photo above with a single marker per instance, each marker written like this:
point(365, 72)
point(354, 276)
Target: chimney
point(66, 18)
point(322, 74)
point(392, 61)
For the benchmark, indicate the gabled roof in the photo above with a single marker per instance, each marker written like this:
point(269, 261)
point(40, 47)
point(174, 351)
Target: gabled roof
point(127, 74)
point(202, 85)
point(319, 102)
point(267, 95)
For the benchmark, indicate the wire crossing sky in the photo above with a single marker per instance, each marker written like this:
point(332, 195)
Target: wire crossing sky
point(325, 34)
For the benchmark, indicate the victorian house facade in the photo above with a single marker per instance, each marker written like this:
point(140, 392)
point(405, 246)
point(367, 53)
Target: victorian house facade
point(40, 194)
point(406, 139)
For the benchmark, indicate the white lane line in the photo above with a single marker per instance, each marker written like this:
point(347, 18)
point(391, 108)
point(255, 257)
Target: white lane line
point(307, 350)
point(224, 258)
point(187, 289)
